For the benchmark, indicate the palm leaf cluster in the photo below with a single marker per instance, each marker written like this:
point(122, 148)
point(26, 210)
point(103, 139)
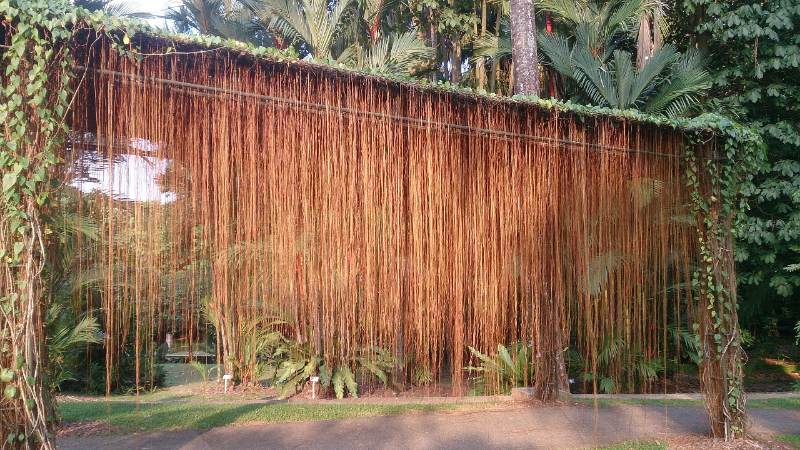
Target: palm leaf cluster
point(593, 57)
point(214, 18)
point(509, 367)
point(288, 364)
point(347, 32)
point(593, 50)
point(608, 376)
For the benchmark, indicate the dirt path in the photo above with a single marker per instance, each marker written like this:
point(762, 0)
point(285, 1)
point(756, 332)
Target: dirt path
point(514, 427)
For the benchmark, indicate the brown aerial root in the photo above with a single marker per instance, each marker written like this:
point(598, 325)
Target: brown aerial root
point(366, 214)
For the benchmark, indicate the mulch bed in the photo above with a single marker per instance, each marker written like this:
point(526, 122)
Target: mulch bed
point(707, 443)
point(85, 429)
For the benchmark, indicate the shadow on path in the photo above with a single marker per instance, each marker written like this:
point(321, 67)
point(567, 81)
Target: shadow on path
point(513, 427)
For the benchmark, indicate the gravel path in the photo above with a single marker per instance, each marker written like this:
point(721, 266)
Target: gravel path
point(511, 427)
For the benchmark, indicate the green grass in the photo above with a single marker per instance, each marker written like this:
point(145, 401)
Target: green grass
point(608, 402)
point(126, 417)
point(636, 445)
point(781, 403)
point(778, 403)
point(791, 439)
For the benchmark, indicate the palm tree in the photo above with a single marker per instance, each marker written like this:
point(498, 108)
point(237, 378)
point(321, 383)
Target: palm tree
point(494, 47)
point(605, 25)
point(216, 17)
point(397, 53)
point(113, 7)
point(668, 83)
point(593, 60)
point(331, 31)
point(318, 27)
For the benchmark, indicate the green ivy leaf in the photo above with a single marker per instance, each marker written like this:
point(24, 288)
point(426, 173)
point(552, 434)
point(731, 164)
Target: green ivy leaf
point(18, 247)
point(6, 375)
point(10, 392)
point(9, 180)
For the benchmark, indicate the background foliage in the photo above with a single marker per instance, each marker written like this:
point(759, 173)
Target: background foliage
point(754, 49)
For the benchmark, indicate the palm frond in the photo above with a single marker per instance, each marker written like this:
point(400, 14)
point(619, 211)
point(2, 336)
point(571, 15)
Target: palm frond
point(625, 14)
point(624, 78)
point(558, 52)
point(648, 76)
point(567, 10)
point(594, 78)
point(398, 53)
point(687, 82)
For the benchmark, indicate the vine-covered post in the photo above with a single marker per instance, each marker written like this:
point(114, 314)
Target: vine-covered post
point(34, 98)
point(719, 169)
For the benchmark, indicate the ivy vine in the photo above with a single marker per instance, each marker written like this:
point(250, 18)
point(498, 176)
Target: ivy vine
point(716, 180)
point(38, 84)
point(34, 99)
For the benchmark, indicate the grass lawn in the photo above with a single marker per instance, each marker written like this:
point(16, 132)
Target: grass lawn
point(126, 417)
point(780, 403)
point(783, 403)
point(791, 439)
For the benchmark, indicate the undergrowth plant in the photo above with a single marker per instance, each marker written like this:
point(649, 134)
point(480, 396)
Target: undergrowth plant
point(202, 369)
point(295, 363)
point(66, 339)
point(508, 368)
point(609, 376)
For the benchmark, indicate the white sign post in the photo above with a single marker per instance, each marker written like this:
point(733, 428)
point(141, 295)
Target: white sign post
point(314, 381)
point(225, 378)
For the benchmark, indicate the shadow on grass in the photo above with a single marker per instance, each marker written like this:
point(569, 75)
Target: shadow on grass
point(319, 426)
point(125, 417)
point(768, 403)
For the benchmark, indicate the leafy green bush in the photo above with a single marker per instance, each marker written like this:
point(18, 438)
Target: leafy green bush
point(612, 377)
point(67, 338)
point(508, 368)
point(341, 379)
point(376, 362)
point(421, 376)
point(202, 369)
point(295, 363)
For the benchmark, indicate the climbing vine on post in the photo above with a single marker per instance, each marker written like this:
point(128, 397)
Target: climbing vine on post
point(719, 167)
point(34, 99)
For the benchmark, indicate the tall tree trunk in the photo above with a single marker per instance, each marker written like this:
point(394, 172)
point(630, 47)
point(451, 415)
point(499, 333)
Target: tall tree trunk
point(523, 48)
point(455, 53)
point(644, 44)
point(455, 62)
point(433, 42)
point(551, 74)
point(721, 372)
point(495, 61)
point(480, 64)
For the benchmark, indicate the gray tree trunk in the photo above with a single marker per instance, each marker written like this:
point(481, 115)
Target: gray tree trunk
point(523, 48)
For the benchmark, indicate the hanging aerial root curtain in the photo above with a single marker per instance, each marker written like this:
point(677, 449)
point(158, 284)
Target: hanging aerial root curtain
point(361, 213)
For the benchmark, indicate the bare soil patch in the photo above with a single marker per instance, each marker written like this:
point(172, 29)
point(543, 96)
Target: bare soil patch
point(85, 429)
point(707, 443)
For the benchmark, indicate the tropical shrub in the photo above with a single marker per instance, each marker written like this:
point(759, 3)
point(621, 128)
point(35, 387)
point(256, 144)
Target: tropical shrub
point(341, 379)
point(421, 376)
point(202, 369)
point(754, 49)
point(508, 368)
point(295, 363)
point(376, 362)
point(617, 365)
point(67, 338)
